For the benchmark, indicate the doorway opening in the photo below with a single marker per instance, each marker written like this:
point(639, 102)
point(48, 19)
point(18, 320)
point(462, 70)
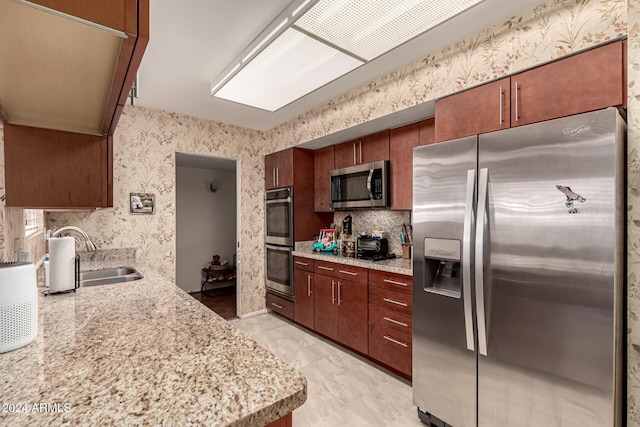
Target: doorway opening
point(207, 240)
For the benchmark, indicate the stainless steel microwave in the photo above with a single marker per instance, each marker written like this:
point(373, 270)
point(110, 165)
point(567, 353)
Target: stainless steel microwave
point(361, 186)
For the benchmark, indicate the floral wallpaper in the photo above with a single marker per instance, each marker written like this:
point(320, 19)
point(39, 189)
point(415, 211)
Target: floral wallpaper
point(633, 216)
point(146, 141)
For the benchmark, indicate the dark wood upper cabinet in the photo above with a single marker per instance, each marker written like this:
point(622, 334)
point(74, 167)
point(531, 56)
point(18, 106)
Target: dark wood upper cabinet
point(427, 131)
point(87, 94)
point(323, 164)
point(54, 169)
point(479, 110)
point(401, 144)
point(585, 82)
point(279, 169)
point(370, 148)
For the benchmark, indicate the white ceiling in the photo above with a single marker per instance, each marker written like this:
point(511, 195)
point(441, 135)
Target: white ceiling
point(193, 41)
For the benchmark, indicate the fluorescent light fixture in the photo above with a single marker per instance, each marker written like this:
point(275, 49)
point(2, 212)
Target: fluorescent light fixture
point(289, 68)
point(314, 42)
point(369, 28)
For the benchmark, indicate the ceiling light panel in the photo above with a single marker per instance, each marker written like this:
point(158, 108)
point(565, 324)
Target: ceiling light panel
point(369, 28)
point(289, 68)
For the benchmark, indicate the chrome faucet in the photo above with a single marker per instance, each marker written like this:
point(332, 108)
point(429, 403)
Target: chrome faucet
point(90, 245)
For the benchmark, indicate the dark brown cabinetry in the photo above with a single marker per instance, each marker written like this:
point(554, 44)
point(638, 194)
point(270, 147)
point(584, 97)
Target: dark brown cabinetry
point(340, 304)
point(282, 306)
point(304, 291)
point(370, 148)
point(427, 131)
point(294, 168)
point(88, 94)
point(53, 169)
point(482, 109)
point(583, 82)
point(390, 319)
point(401, 144)
point(323, 164)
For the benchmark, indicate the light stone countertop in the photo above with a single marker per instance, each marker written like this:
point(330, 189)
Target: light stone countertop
point(397, 265)
point(142, 353)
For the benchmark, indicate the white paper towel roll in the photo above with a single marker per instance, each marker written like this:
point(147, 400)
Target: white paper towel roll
point(62, 256)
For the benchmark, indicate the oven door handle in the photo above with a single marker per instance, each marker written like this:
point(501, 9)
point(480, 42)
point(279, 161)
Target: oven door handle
point(269, 202)
point(279, 248)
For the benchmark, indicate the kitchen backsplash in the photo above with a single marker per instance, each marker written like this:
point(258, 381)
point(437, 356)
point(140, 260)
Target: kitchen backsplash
point(367, 220)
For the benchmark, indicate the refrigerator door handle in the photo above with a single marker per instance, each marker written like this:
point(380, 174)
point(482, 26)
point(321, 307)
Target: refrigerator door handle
point(466, 259)
point(483, 186)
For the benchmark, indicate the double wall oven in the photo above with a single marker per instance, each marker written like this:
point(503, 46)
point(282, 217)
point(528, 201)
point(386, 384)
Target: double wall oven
point(279, 241)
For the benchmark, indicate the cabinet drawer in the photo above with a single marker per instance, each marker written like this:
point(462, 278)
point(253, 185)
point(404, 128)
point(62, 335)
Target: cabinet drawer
point(302, 263)
point(392, 281)
point(390, 347)
point(342, 271)
point(280, 305)
point(390, 318)
point(395, 301)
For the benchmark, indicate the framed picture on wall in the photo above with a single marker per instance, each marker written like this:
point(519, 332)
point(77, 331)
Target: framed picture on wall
point(142, 203)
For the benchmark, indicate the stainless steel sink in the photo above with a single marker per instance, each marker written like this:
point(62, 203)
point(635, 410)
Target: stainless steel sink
point(109, 276)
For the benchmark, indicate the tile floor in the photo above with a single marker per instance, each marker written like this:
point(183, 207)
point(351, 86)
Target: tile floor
point(343, 390)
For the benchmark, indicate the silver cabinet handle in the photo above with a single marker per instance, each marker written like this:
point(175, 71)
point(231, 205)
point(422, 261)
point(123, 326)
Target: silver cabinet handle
point(321, 267)
point(395, 302)
point(308, 285)
point(388, 319)
point(277, 305)
point(405, 345)
point(301, 263)
point(360, 143)
point(333, 294)
point(278, 176)
point(501, 105)
point(467, 232)
point(393, 282)
point(273, 172)
point(339, 286)
point(517, 90)
point(355, 161)
point(351, 273)
point(483, 186)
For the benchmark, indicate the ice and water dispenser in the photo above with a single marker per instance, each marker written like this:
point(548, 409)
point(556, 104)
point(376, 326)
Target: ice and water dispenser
point(442, 273)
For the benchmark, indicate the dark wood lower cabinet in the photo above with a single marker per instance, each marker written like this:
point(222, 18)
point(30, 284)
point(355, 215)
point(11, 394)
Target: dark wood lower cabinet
point(304, 294)
point(325, 308)
point(390, 347)
point(352, 303)
point(286, 421)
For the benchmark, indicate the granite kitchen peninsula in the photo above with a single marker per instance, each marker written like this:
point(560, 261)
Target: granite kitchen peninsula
point(142, 353)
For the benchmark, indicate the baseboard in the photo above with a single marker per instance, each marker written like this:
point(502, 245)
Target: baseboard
point(254, 314)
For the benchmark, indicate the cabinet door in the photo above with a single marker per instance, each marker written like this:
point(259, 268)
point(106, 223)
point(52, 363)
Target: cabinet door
point(375, 147)
point(346, 154)
point(401, 144)
point(427, 131)
point(479, 110)
point(353, 307)
point(53, 169)
point(585, 82)
point(284, 168)
point(322, 166)
point(270, 161)
point(304, 293)
point(325, 306)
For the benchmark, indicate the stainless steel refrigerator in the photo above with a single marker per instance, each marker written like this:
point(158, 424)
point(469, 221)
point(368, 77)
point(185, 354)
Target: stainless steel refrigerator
point(519, 275)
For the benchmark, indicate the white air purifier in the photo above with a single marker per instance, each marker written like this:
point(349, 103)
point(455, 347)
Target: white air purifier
point(18, 305)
